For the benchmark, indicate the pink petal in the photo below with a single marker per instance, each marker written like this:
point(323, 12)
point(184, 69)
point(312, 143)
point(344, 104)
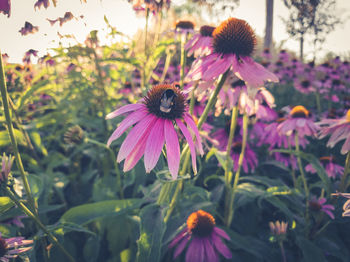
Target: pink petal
point(217, 68)
point(189, 140)
point(192, 251)
point(221, 247)
point(124, 109)
point(193, 126)
point(253, 73)
point(221, 233)
point(178, 237)
point(134, 136)
point(125, 124)
point(209, 251)
point(172, 148)
point(154, 145)
point(181, 246)
point(346, 147)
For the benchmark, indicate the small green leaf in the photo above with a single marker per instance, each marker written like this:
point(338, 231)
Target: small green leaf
point(5, 204)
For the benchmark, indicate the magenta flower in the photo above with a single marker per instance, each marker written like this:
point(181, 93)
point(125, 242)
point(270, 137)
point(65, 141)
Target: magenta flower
point(154, 119)
point(28, 29)
point(232, 46)
point(339, 130)
point(298, 120)
point(40, 3)
point(319, 205)
point(11, 247)
point(304, 86)
point(200, 44)
point(5, 7)
point(6, 167)
point(332, 169)
point(204, 239)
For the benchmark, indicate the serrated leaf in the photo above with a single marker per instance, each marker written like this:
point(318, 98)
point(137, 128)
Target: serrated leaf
point(151, 234)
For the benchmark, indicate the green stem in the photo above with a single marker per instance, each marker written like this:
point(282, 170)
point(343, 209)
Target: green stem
point(229, 217)
point(5, 103)
point(343, 181)
point(306, 189)
point(172, 205)
point(166, 66)
point(38, 222)
point(143, 71)
point(291, 165)
point(284, 259)
point(117, 171)
point(193, 98)
point(318, 102)
point(183, 60)
point(229, 144)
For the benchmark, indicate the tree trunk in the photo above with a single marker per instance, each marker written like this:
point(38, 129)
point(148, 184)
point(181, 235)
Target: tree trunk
point(269, 24)
point(301, 48)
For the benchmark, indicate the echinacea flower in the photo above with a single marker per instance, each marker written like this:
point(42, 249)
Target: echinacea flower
point(319, 205)
point(204, 239)
point(67, 17)
point(339, 129)
point(200, 44)
point(40, 3)
point(184, 26)
point(233, 44)
point(154, 118)
point(279, 230)
point(6, 167)
point(11, 247)
point(28, 29)
point(5, 7)
point(332, 169)
point(299, 121)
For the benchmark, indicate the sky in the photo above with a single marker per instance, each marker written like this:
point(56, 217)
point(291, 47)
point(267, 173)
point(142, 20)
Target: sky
point(121, 15)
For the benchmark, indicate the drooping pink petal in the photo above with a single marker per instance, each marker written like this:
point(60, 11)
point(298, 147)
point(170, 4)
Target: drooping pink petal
point(346, 146)
point(221, 247)
point(251, 72)
point(193, 126)
point(192, 251)
point(209, 251)
point(189, 140)
point(125, 124)
point(178, 237)
point(181, 246)
point(154, 145)
point(125, 109)
point(218, 67)
point(134, 136)
point(172, 148)
point(328, 212)
point(221, 233)
point(136, 154)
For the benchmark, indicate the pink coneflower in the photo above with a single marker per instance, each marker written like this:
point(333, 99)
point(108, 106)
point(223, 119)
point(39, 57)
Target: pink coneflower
point(319, 205)
point(11, 247)
point(200, 44)
point(204, 237)
point(66, 18)
point(233, 44)
point(5, 7)
point(298, 120)
point(332, 169)
point(304, 86)
point(154, 119)
point(28, 29)
point(41, 3)
point(339, 130)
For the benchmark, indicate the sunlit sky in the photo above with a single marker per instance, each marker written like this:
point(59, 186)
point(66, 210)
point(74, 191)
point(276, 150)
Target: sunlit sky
point(121, 15)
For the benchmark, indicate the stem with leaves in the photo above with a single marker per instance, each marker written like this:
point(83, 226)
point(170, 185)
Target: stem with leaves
point(344, 181)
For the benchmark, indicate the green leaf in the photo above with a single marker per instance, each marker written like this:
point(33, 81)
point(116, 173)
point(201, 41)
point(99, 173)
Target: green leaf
point(220, 156)
point(5, 138)
point(151, 234)
point(310, 251)
point(38, 143)
point(315, 163)
point(28, 93)
point(5, 204)
point(87, 213)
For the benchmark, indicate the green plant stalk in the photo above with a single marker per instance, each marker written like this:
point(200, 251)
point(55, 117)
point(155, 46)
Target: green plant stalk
point(193, 98)
point(291, 161)
point(228, 173)
point(343, 181)
point(318, 102)
point(306, 189)
point(38, 223)
point(185, 150)
point(284, 259)
point(183, 60)
point(5, 103)
point(230, 213)
point(166, 66)
point(117, 171)
point(143, 71)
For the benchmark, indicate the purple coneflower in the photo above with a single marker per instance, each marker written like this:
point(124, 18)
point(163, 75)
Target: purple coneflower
point(319, 205)
point(232, 46)
point(304, 86)
point(200, 44)
point(28, 29)
point(204, 237)
point(11, 247)
point(40, 3)
point(154, 119)
point(339, 130)
point(332, 169)
point(298, 120)
point(5, 7)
